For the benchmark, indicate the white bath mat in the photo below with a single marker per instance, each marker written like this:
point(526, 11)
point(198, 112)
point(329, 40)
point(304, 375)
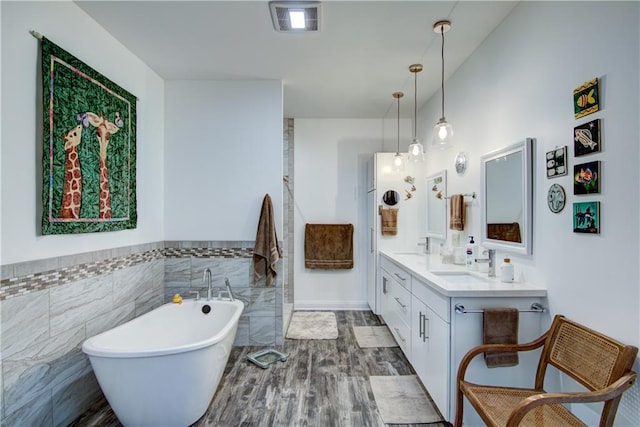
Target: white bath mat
point(401, 400)
point(313, 325)
point(374, 336)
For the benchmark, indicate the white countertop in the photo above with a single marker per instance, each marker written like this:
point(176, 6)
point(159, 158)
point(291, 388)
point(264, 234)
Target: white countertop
point(430, 270)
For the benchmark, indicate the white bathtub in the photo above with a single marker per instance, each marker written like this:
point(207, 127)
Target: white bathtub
point(163, 368)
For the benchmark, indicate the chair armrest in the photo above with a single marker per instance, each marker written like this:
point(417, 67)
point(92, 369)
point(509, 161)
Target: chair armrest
point(611, 392)
point(496, 348)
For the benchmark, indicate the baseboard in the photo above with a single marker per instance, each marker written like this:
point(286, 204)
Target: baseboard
point(330, 305)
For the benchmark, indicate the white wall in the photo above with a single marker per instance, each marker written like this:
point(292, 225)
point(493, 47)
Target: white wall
point(519, 84)
point(68, 26)
point(330, 187)
point(223, 153)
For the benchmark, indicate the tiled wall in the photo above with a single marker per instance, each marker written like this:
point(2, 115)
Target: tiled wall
point(185, 263)
point(47, 314)
point(49, 307)
point(288, 204)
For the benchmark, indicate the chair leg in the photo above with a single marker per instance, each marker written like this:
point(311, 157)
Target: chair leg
point(458, 420)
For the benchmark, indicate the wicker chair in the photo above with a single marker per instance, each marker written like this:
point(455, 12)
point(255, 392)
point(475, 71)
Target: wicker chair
point(600, 363)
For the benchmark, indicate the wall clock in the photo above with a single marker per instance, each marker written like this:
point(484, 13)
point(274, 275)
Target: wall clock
point(461, 163)
point(556, 198)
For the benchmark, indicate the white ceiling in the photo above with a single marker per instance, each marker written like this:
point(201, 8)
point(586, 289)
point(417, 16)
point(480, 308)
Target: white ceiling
point(347, 70)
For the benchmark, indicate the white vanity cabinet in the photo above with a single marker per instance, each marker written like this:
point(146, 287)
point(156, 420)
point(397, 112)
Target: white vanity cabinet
point(430, 347)
point(419, 308)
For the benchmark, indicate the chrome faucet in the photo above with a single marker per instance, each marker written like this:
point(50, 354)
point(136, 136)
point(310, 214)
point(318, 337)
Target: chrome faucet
point(228, 285)
point(206, 278)
point(491, 260)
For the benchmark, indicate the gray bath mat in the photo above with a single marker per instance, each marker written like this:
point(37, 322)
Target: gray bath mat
point(401, 400)
point(313, 325)
point(374, 336)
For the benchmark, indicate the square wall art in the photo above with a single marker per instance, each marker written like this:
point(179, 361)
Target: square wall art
point(586, 217)
point(557, 162)
point(586, 99)
point(586, 178)
point(586, 138)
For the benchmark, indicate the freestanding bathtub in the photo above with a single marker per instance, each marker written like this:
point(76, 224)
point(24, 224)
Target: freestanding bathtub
point(163, 368)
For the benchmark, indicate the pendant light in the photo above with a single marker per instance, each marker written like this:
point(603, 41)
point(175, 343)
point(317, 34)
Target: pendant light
point(416, 150)
point(398, 160)
point(443, 131)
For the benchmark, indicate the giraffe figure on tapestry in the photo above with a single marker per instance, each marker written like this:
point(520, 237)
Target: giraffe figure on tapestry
point(72, 191)
point(104, 129)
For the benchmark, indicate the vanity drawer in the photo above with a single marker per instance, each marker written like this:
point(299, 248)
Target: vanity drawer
point(399, 274)
point(400, 301)
point(401, 332)
point(438, 303)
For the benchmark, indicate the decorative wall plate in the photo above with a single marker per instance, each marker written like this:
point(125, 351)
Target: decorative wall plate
point(461, 163)
point(556, 198)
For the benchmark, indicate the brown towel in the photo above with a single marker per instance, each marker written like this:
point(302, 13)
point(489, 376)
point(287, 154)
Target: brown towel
point(328, 246)
point(456, 204)
point(389, 218)
point(266, 251)
point(500, 326)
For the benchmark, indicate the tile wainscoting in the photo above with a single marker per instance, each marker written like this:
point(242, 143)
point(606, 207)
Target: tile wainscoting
point(49, 307)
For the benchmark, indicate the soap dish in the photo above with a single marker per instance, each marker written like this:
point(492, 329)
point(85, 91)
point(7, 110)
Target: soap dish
point(264, 358)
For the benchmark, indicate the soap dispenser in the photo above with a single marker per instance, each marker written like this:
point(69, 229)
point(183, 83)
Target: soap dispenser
point(472, 250)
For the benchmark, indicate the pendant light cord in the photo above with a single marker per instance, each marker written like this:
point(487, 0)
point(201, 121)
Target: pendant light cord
point(415, 105)
point(398, 146)
point(442, 57)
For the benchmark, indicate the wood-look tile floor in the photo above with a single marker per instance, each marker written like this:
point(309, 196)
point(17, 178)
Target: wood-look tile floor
point(323, 383)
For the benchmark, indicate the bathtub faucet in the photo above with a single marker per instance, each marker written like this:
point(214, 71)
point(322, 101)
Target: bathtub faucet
point(228, 291)
point(206, 278)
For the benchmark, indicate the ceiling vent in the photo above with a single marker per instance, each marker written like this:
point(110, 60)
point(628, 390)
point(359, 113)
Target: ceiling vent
point(295, 17)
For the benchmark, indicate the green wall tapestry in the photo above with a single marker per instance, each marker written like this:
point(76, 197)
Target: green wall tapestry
point(89, 153)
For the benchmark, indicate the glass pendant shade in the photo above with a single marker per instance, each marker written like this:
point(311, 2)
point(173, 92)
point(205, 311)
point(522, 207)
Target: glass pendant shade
point(443, 131)
point(398, 160)
point(442, 134)
point(416, 151)
point(398, 163)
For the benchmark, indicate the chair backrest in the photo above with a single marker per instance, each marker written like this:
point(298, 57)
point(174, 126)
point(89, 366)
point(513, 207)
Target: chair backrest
point(587, 356)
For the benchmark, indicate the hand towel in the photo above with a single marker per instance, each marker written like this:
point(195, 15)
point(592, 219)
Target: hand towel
point(266, 252)
point(328, 246)
point(500, 326)
point(389, 219)
point(456, 220)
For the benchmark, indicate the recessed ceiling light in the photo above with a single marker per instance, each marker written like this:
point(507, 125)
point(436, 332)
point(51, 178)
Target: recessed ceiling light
point(295, 16)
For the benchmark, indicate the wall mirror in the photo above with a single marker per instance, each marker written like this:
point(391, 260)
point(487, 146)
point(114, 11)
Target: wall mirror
point(436, 216)
point(507, 198)
point(390, 198)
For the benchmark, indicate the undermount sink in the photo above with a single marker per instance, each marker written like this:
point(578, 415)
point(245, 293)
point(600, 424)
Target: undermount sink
point(451, 273)
point(462, 277)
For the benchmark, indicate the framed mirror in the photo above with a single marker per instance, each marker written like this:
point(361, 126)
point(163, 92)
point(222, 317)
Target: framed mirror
point(507, 198)
point(390, 198)
point(436, 209)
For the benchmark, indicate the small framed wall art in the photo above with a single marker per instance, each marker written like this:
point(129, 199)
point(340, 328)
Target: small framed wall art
point(586, 98)
point(557, 162)
point(586, 217)
point(586, 138)
point(586, 178)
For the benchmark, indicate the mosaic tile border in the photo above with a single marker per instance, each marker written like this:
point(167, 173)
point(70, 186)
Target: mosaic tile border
point(20, 284)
